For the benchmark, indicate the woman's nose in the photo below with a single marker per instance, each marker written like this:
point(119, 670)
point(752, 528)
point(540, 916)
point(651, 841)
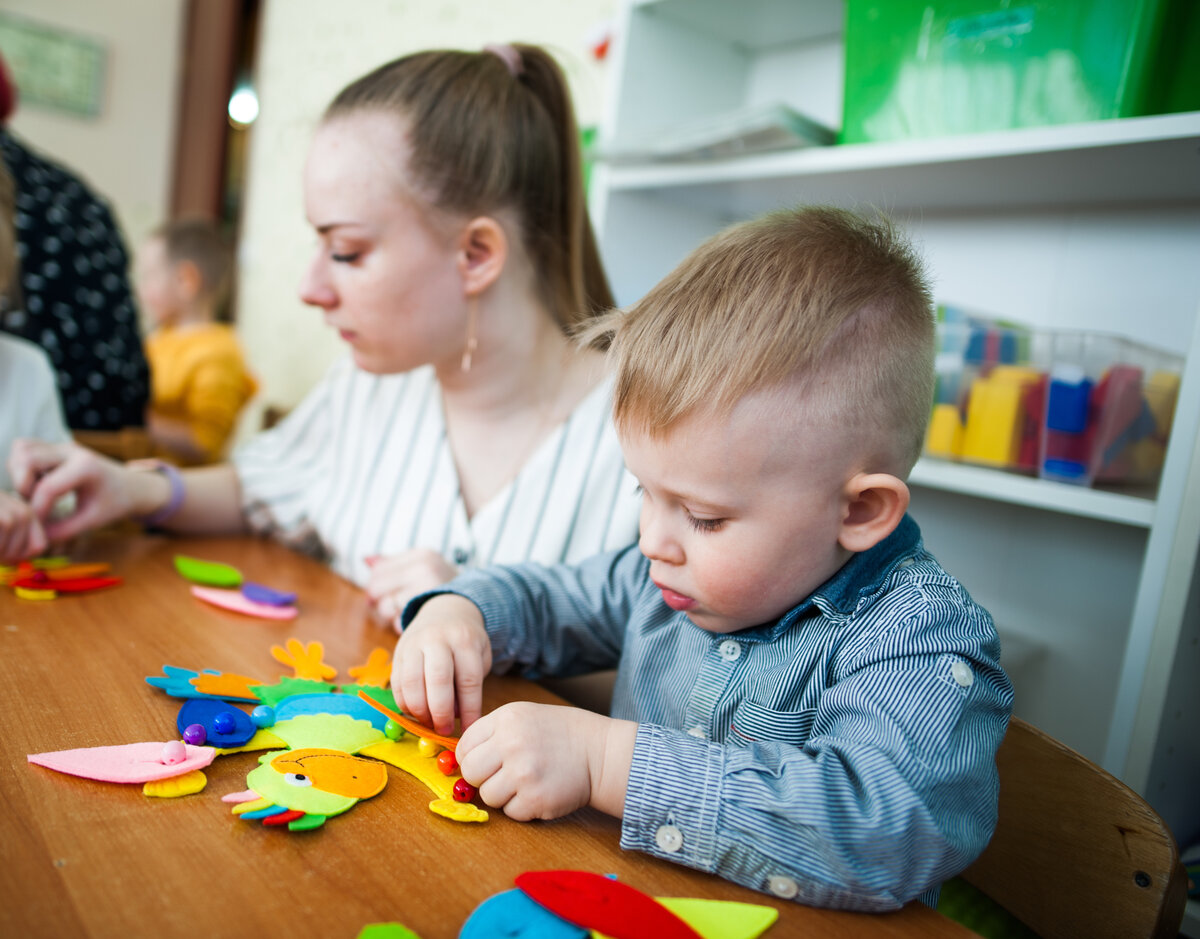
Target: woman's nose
point(315, 289)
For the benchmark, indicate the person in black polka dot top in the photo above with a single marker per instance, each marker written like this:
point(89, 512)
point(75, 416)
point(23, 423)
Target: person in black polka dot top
point(75, 297)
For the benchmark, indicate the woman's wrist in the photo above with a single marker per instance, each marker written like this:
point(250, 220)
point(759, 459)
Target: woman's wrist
point(158, 494)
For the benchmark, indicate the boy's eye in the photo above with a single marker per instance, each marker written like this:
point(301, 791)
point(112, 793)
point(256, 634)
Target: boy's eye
point(705, 524)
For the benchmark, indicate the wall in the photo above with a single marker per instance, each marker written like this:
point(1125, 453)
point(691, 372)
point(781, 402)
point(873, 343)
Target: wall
point(308, 50)
point(126, 151)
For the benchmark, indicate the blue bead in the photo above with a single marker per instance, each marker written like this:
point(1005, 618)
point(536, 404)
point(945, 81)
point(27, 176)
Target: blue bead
point(224, 723)
point(263, 716)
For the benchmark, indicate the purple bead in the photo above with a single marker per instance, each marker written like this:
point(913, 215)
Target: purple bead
point(195, 734)
point(224, 723)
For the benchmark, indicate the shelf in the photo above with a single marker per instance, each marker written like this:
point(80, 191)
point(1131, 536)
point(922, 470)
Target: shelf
point(1190, 926)
point(1100, 162)
point(1037, 493)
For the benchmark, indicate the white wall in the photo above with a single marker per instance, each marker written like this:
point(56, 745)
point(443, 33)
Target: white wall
point(308, 50)
point(125, 152)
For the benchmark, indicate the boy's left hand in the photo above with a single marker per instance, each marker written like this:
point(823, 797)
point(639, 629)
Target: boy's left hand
point(21, 532)
point(546, 761)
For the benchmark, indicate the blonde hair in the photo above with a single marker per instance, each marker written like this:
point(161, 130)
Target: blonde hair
point(817, 299)
point(200, 242)
point(488, 132)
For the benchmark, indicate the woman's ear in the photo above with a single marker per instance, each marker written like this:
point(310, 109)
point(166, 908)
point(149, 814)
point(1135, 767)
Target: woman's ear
point(875, 504)
point(482, 253)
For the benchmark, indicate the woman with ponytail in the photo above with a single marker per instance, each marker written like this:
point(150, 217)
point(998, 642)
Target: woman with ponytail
point(455, 259)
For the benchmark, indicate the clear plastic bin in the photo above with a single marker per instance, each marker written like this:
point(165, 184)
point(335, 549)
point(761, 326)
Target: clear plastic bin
point(1072, 406)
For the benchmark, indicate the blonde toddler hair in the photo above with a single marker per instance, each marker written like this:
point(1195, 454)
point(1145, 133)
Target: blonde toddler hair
point(819, 299)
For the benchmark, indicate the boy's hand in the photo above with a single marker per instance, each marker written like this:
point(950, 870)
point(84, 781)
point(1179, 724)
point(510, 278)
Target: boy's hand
point(21, 534)
point(546, 761)
point(442, 656)
point(396, 579)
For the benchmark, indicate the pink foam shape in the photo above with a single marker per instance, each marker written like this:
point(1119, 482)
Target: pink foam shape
point(246, 795)
point(238, 602)
point(124, 763)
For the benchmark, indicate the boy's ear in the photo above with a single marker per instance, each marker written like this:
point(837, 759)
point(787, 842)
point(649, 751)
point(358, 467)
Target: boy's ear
point(875, 504)
point(482, 253)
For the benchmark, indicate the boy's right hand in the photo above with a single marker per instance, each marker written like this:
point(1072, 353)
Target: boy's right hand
point(442, 658)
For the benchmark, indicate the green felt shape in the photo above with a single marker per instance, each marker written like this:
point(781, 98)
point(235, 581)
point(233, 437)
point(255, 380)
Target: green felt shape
point(386, 931)
point(208, 573)
point(966, 904)
point(328, 731)
point(722, 918)
point(306, 823)
point(274, 787)
point(288, 686)
point(382, 695)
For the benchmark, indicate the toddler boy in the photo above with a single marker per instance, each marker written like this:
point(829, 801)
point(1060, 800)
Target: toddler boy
point(199, 377)
point(806, 702)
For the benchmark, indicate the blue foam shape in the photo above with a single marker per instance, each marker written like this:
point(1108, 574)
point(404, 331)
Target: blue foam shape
point(203, 711)
point(264, 813)
point(260, 593)
point(512, 913)
point(299, 704)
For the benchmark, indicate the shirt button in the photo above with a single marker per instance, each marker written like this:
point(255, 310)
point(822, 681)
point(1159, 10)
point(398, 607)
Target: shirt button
point(669, 838)
point(783, 887)
point(961, 672)
point(697, 732)
point(461, 555)
point(730, 649)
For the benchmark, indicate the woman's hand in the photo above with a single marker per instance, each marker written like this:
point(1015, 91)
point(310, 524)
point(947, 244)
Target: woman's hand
point(104, 489)
point(395, 580)
point(21, 534)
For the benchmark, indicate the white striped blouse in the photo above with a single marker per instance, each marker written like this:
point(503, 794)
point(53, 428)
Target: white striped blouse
point(362, 467)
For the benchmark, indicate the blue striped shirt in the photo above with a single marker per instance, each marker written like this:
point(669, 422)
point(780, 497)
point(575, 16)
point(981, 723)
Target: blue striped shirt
point(842, 755)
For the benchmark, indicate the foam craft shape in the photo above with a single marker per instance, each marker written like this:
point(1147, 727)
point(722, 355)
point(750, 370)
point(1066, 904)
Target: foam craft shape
point(207, 573)
point(513, 913)
point(417, 730)
point(204, 711)
point(234, 601)
point(123, 763)
point(175, 786)
point(246, 795)
point(607, 906)
point(387, 931)
point(288, 686)
point(307, 661)
point(73, 585)
point(329, 704)
point(268, 595)
point(722, 919)
point(376, 671)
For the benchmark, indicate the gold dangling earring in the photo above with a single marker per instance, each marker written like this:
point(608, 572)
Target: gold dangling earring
point(472, 342)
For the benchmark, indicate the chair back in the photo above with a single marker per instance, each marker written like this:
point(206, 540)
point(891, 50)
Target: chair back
point(1076, 852)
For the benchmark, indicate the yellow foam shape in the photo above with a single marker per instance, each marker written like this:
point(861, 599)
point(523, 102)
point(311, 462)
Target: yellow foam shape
point(403, 754)
point(254, 806)
point(28, 593)
point(175, 786)
point(262, 740)
point(458, 811)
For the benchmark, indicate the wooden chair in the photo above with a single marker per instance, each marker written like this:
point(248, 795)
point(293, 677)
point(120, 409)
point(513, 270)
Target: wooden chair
point(1077, 852)
point(128, 443)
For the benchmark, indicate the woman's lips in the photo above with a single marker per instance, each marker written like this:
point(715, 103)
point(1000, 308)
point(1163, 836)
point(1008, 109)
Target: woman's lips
point(676, 601)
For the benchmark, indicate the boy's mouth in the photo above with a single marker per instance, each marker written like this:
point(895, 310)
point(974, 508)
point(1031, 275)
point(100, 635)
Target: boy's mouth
point(676, 601)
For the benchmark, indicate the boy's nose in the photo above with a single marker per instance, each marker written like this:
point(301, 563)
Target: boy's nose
point(656, 542)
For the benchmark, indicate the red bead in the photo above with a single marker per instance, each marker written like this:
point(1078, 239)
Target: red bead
point(447, 763)
point(464, 791)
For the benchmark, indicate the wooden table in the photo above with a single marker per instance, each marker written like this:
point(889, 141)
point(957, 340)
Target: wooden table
point(86, 858)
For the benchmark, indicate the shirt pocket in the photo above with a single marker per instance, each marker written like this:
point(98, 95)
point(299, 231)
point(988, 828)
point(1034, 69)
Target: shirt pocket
point(755, 723)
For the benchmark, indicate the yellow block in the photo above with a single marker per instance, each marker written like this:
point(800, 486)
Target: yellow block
point(945, 435)
point(993, 431)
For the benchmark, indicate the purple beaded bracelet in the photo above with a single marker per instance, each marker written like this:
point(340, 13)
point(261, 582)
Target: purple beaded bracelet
point(160, 515)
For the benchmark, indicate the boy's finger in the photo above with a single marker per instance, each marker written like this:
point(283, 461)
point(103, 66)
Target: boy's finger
point(439, 688)
point(411, 686)
point(468, 683)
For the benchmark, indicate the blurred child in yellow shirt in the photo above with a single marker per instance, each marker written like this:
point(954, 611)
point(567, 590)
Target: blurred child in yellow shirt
point(200, 380)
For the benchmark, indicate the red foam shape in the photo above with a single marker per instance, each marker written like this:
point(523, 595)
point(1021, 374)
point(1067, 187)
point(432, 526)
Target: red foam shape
point(283, 817)
point(607, 906)
point(76, 585)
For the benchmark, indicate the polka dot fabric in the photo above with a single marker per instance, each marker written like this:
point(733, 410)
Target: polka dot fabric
point(77, 303)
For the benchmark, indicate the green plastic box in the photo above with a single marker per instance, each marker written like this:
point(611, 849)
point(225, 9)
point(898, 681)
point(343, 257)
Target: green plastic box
point(920, 69)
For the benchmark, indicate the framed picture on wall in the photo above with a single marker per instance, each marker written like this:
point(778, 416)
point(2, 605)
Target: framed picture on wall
point(53, 68)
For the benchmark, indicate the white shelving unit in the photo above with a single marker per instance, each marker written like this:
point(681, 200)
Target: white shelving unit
point(1092, 226)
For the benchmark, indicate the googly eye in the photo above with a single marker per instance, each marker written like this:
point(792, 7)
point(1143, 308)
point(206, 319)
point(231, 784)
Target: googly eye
point(296, 779)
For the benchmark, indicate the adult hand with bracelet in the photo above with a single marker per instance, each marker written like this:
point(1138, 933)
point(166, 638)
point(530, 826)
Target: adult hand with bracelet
point(106, 491)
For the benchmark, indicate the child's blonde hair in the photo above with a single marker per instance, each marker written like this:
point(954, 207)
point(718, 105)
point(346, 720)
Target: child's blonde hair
point(200, 242)
point(816, 298)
